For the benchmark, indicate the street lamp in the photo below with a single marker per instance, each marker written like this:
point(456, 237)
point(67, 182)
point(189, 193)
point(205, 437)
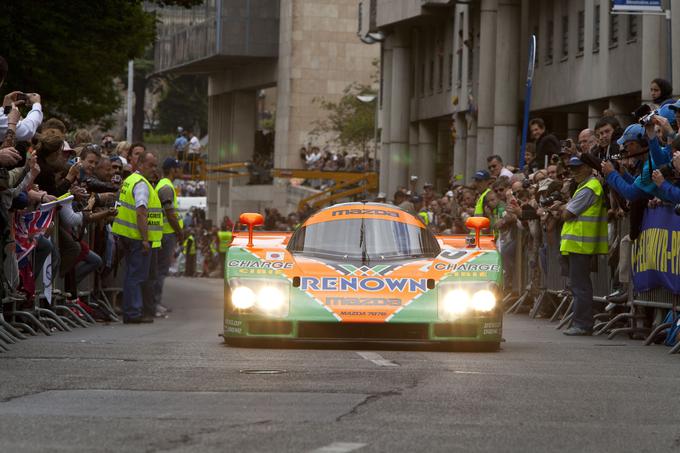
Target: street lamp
point(367, 99)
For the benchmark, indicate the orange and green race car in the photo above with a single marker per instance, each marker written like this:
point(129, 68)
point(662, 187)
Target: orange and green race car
point(363, 272)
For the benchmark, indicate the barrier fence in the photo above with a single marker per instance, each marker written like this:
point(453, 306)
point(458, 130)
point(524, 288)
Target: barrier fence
point(541, 286)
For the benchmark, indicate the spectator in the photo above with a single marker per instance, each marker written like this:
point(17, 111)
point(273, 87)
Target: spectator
point(546, 144)
point(661, 91)
point(496, 167)
point(584, 234)
point(181, 144)
point(82, 136)
point(587, 140)
point(25, 128)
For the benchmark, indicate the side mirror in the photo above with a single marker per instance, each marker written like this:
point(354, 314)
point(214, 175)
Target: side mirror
point(252, 219)
point(478, 224)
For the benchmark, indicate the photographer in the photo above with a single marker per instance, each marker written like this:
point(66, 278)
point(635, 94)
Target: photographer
point(668, 191)
point(25, 128)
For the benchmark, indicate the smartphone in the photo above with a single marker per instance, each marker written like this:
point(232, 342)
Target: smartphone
point(21, 97)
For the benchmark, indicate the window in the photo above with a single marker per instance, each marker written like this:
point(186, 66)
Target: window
point(422, 79)
point(581, 31)
point(441, 72)
point(632, 27)
point(596, 29)
point(450, 70)
point(565, 36)
point(431, 74)
point(549, 44)
point(613, 30)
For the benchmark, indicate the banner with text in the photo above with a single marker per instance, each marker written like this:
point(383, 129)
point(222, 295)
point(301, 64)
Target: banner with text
point(656, 253)
point(637, 5)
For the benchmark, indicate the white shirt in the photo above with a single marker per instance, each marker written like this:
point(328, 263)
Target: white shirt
point(25, 127)
point(141, 194)
point(194, 145)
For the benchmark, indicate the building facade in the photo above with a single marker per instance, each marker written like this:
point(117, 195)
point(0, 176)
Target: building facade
point(307, 49)
point(453, 76)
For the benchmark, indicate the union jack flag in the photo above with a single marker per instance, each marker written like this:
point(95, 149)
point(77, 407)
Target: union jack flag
point(28, 226)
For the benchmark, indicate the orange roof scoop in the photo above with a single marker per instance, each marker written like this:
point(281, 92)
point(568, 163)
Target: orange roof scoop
point(478, 224)
point(252, 219)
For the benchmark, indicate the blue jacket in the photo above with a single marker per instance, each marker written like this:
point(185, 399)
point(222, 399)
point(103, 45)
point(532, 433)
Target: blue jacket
point(670, 192)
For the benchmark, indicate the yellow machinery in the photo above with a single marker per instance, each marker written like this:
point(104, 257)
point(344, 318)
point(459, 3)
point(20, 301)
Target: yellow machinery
point(346, 184)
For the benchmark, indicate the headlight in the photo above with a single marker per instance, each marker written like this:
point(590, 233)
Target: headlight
point(456, 299)
point(243, 297)
point(267, 298)
point(483, 300)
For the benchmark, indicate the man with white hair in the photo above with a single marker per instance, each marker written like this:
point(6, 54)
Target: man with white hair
point(586, 140)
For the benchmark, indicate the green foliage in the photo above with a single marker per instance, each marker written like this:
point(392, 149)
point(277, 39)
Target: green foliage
point(349, 121)
point(184, 103)
point(159, 139)
point(70, 51)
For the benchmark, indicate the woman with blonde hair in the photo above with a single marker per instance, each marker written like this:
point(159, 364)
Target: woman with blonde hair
point(122, 150)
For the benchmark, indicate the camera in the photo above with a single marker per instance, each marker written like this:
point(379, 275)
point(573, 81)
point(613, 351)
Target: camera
point(644, 114)
point(526, 184)
point(555, 159)
point(667, 170)
point(566, 144)
point(550, 199)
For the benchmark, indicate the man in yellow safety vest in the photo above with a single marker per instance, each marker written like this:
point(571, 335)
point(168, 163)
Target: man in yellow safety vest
point(224, 239)
point(584, 234)
point(139, 227)
point(482, 180)
point(189, 249)
point(172, 229)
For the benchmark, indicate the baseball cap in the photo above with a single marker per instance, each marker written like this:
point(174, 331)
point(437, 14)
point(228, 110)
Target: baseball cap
point(667, 112)
point(632, 133)
point(416, 199)
point(170, 162)
point(427, 184)
point(575, 162)
point(381, 195)
point(675, 106)
point(449, 194)
point(481, 175)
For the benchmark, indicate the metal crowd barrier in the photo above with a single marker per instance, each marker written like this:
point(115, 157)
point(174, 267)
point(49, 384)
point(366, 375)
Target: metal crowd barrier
point(631, 317)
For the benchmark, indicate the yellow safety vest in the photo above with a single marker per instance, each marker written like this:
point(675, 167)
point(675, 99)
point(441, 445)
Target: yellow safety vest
point(125, 223)
point(479, 207)
point(190, 250)
point(424, 218)
point(167, 228)
point(224, 241)
point(587, 233)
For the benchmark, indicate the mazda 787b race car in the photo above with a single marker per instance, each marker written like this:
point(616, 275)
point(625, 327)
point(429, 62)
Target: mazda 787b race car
point(363, 272)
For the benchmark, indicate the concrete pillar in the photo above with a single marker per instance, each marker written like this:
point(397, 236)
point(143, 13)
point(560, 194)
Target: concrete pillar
point(471, 147)
point(576, 122)
point(398, 154)
point(595, 110)
point(386, 120)
point(651, 61)
point(487, 81)
point(506, 99)
point(415, 158)
point(675, 48)
point(427, 150)
point(460, 148)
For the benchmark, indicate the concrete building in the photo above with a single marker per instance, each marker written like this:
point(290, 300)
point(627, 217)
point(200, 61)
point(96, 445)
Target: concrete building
point(453, 75)
point(304, 48)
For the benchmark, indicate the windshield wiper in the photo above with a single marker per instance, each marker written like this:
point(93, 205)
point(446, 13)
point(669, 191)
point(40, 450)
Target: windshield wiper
point(362, 243)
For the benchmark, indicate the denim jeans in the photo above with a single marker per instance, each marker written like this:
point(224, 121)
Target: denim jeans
point(148, 286)
point(136, 272)
point(91, 263)
point(582, 289)
point(165, 254)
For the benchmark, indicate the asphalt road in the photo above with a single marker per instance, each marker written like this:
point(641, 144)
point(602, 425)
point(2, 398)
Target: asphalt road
point(174, 386)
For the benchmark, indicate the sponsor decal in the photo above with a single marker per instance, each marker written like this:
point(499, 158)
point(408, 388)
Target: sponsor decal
point(363, 313)
point(260, 271)
point(233, 322)
point(369, 284)
point(364, 271)
point(467, 267)
point(384, 212)
point(260, 264)
point(274, 256)
point(366, 301)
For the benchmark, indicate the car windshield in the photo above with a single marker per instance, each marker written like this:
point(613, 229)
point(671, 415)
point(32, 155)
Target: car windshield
point(364, 239)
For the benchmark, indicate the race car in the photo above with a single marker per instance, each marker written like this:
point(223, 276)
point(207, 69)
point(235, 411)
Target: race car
point(363, 272)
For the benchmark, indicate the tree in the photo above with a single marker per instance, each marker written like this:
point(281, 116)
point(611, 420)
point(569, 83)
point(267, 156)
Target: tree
point(349, 121)
point(71, 51)
point(184, 103)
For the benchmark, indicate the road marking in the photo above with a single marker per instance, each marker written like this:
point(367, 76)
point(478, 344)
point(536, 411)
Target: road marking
point(377, 359)
point(468, 372)
point(339, 447)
